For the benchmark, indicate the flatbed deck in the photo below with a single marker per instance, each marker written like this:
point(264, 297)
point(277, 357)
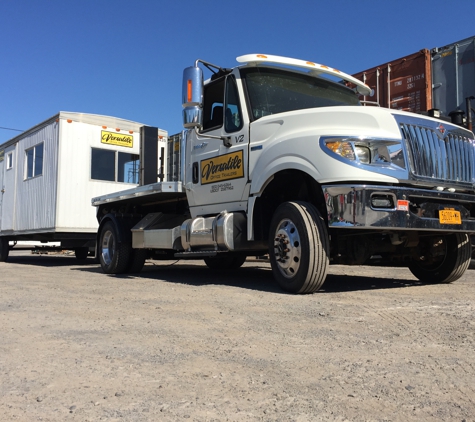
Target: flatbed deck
point(162, 191)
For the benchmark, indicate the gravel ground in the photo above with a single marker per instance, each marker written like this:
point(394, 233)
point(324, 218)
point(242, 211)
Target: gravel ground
point(182, 342)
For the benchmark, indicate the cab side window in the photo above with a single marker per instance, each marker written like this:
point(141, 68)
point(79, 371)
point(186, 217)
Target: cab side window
point(221, 105)
point(213, 112)
point(232, 115)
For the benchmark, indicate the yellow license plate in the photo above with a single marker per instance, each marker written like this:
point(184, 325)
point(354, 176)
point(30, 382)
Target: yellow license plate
point(449, 217)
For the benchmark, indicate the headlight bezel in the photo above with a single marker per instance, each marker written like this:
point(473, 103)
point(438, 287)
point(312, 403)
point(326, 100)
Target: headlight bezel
point(374, 154)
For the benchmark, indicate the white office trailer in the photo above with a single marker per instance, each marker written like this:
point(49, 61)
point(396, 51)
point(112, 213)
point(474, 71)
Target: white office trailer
point(49, 173)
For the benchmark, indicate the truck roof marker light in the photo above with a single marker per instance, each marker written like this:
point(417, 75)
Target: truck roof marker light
point(261, 56)
point(69, 121)
point(311, 63)
point(104, 127)
point(131, 131)
point(117, 130)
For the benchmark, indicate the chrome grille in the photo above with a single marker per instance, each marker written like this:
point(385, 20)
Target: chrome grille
point(448, 157)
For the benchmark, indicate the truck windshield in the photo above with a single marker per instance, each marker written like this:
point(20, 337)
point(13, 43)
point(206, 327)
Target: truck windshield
point(273, 91)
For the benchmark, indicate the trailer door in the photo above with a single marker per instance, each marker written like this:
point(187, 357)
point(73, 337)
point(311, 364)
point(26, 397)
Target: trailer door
point(8, 182)
point(2, 161)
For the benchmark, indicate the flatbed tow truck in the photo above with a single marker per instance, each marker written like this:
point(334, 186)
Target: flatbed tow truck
point(278, 158)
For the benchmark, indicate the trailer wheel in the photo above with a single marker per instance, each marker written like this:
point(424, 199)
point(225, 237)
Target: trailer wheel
point(225, 261)
point(446, 259)
point(114, 256)
point(4, 249)
point(299, 247)
point(81, 253)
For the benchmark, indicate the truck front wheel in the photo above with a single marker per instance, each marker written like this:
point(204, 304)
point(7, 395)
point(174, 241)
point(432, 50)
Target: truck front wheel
point(4, 249)
point(445, 259)
point(299, 247)
point(114, 256)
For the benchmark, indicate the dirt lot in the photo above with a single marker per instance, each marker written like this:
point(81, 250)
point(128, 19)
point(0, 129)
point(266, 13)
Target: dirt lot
point(183, 342)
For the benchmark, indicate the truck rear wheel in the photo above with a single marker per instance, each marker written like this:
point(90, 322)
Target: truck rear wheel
point(446, 260)
point(114, 256)
point(299, 247)
point(137, 260)
point(225, 261)
point(4, 249)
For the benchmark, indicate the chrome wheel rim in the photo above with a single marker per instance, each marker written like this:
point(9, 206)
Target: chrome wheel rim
point(108, 247)
point(287, 248)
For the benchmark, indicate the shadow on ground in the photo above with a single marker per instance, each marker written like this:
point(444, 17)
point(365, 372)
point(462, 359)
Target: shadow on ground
point(254, 275)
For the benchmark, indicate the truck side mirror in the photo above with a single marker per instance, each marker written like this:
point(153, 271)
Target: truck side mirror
point(192, 98)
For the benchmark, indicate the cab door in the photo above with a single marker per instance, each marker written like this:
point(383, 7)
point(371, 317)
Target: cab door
point(219, 154)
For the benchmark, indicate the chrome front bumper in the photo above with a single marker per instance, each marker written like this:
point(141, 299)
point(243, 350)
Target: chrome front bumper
point(393, 208)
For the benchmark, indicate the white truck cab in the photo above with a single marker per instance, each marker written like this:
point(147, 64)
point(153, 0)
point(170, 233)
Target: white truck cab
point(276, 158)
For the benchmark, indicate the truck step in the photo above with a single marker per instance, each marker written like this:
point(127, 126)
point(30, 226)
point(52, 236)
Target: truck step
point(195, 254)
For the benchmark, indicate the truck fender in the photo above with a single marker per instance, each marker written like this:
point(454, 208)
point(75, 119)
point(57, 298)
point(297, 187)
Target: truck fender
point(123, 231)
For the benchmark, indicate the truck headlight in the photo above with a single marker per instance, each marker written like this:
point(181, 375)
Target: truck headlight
point(366, 151)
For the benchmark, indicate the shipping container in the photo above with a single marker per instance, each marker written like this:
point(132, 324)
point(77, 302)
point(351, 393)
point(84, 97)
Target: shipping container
point(402, 84)
point(453, 75)
point(49, 173)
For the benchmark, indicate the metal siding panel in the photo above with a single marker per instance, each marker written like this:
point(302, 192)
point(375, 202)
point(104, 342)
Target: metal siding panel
point(36, 197)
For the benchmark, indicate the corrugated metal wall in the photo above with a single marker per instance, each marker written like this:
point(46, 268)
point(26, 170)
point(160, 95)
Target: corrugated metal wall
point(36, 197)
point(402, 84)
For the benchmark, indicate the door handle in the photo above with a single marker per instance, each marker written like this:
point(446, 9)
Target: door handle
point(195, 173)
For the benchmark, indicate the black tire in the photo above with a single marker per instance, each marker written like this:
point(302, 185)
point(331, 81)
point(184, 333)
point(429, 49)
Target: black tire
point(225, 261)
point(445, 263)
point(299, 247)
point(137, 260)
point(114, 256)
point(4, 249)
point(81, 253)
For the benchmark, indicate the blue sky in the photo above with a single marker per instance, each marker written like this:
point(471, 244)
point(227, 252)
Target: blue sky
point(125, 58)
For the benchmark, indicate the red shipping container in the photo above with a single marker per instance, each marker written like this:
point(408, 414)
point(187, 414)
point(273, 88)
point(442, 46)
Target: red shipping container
point(402, 84)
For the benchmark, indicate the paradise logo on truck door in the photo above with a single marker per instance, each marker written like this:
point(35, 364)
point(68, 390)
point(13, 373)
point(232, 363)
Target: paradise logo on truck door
point(119, 139)
point(225, 167)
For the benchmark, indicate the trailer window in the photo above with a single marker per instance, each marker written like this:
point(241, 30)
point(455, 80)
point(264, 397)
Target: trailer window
point(34, 161)
point(114, 166)
point(128, 169)
point(103, 164)
point(9, 160)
